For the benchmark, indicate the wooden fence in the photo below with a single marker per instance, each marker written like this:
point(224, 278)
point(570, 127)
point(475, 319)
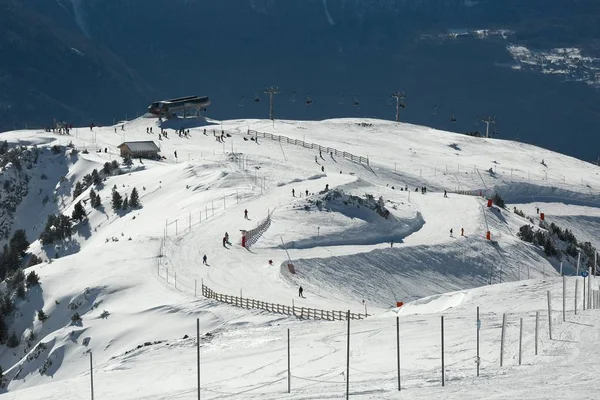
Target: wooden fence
point(300, 312)
point(328, 150)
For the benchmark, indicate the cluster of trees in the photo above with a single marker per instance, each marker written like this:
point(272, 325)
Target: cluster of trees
point(538, 237)
point(120, 203)
point(12, 254)
point(58, 227)
point(552, 233)
point(88, 180)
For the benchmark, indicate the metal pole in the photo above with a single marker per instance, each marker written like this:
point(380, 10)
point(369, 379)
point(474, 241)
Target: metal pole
point(564, 298)
point(92, 375)
point(583, 293)
point(198, 352)
point(520, 340)
point(537, 325)
point(348, 359)
point(502, 339)
point(549, 316)
point(443, 376)
point(478, 328)
point(289, 364)
point(398, 349)
point(576, 290)
point(589, 286)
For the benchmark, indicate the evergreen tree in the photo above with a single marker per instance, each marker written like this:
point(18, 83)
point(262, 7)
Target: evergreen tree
point(107, 169)
point(78, 190)
point(3, 331)
point(114, 165)
point(96, 179)
point(78, 212)
point(65, 228)
point(117, 200)
point(134, 200)
point(127, 161)
point(125, 203)
point(19, 243)
point(13, 340)
point(98, 201)
point(21, 291)
point(16, 279)
point(41, 315)
point(6, 306)
point(87, 180)
point(92, 198)
point(32, 280)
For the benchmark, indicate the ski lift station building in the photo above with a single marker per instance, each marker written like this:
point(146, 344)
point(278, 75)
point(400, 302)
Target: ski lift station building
point(170, 108)
point(141, 149)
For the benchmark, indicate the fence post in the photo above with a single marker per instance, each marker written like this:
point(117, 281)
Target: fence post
point(549, 316)
point(589, 286)
point(348, 360)
point(443, 372)
point(520, 339)
point(91, 375)
point(564, 298)
point(576, 290)
point(198, 352)
point(502, 339)
point(537, 326)
point(289, 369)
point(398, 349)
point(478, 328)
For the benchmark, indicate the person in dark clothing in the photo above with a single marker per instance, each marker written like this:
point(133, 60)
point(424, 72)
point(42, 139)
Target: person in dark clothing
point(224, 241)
point(445, 194)
point(307, 193)
point(293, 193)
point(204, 260)
point(246, 214)
point(451, 232)
point(300, 292)
point(322, 169)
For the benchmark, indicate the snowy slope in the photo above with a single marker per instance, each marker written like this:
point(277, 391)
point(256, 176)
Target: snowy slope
point(341, 253)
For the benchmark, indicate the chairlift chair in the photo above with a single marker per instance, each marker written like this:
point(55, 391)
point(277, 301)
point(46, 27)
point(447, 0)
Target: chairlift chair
point(308, 100)
point(256, 98)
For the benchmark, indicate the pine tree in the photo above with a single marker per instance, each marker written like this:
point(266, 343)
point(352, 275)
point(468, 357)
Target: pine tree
point(96, 179)
point(32, 280)
point(92, 198)
point(117, 200)
point(13, 341)
point(134, 201)
point(41, 315)
point(78, 212)
point(21, 291)
point(7, 305)
point(98, 201)
point(107, 169)
point(125, 203)
point(18, 242)
point(87, 180)
point(78, 190)
point(65, 228)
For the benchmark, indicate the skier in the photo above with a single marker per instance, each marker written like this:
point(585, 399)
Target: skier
point(450, 232)
point(307, 193)
point(300, 292)
point(327, 187)
point(293, 193)
point(227, 238)
point(175, 152)
point(322, 169)
point(391, 243)
point(224, 241)
point(204, 260)
point(245, 214)
point(462, 231)
point(445, 194)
